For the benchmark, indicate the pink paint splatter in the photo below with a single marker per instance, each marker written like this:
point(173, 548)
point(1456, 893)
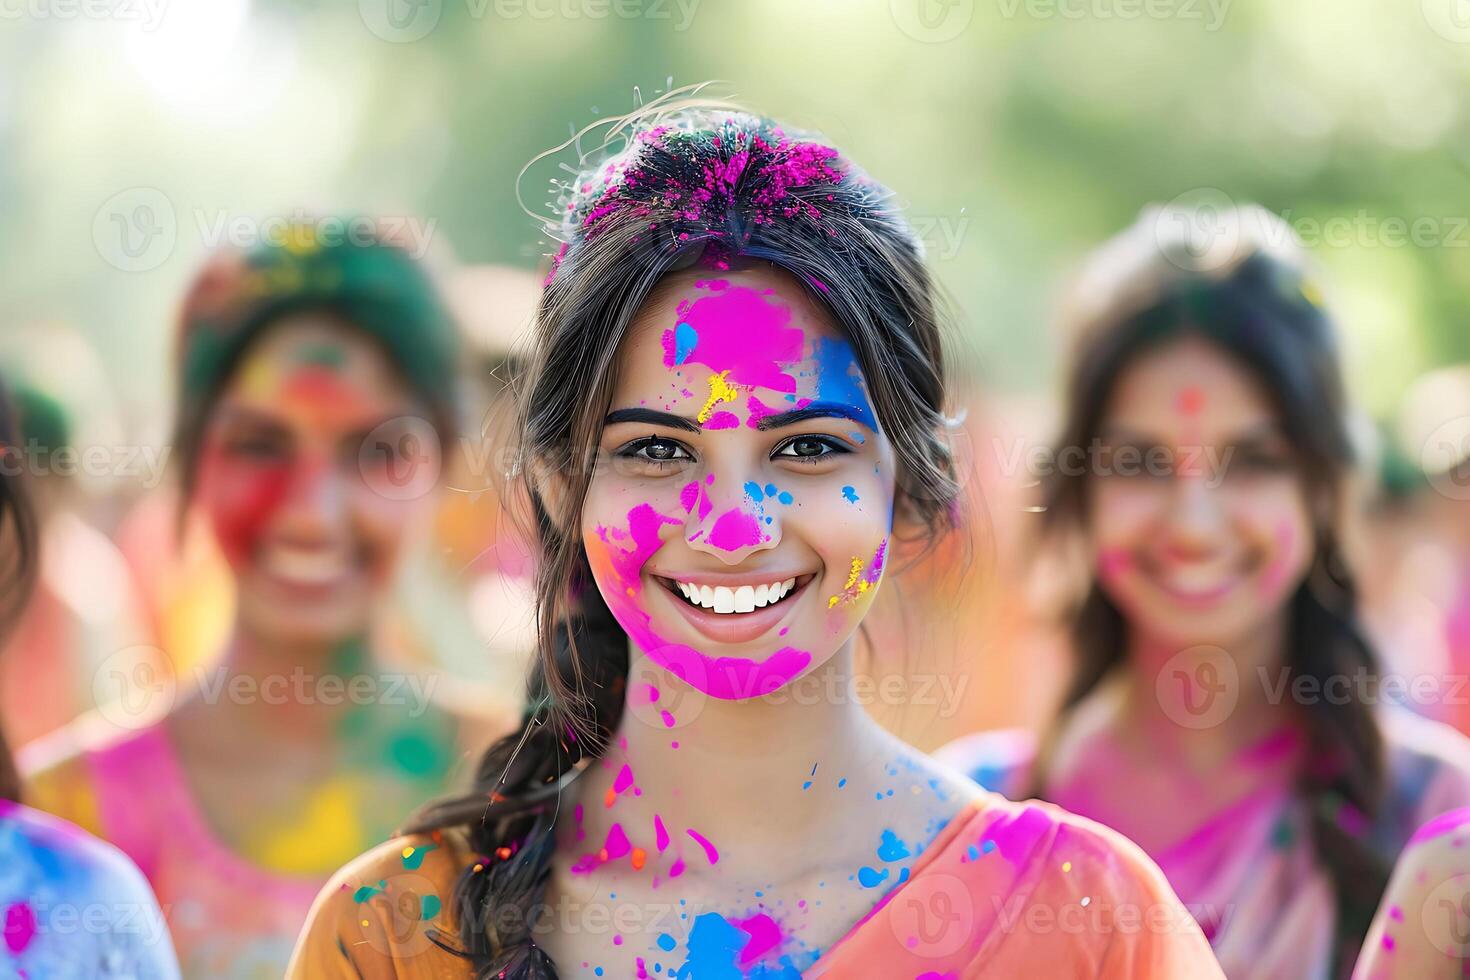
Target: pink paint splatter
point(660, 834)
point(20, 927)
point(765, 939)
point(1441, 825)
point(709, 849)
point(623, 780)
point(743, 331)
point(735, 529)
point(617, 844)
point(722, 420)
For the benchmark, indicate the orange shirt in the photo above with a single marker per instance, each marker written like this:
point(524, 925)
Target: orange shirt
point(1005, 890)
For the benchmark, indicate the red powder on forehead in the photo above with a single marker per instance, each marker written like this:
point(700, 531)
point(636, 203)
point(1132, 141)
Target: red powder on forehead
point(1191, 400)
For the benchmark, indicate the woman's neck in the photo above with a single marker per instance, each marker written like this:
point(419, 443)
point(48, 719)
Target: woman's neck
point(1204, 704)
point(760, 771)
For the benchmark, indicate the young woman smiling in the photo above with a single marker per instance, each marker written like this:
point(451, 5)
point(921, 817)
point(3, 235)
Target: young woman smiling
point(730, 431)
point(315, 378)
point(1224, 713)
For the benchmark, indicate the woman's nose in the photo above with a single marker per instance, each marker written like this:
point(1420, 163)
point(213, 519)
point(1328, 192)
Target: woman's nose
point(729, 521)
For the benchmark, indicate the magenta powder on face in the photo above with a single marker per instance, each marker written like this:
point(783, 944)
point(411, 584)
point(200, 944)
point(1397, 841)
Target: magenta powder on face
point(736, 330)
point(709, 849)
point(725, 678)
point(723, 420)
point(735, 529)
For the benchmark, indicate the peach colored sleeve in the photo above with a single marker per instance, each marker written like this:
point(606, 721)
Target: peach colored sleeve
point(374, 919)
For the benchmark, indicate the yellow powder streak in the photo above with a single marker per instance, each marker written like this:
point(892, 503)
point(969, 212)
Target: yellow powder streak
point(852, 577)
point(719, 391)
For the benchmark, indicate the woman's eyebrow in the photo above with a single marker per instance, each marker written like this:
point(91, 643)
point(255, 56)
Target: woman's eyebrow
point(816, 410)
point(651, 417)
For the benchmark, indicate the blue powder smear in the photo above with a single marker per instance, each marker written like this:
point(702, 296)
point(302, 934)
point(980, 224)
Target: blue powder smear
point(714, 945)
point(869, 878)
point(666, 943)
point(891, 848)
point(850, 495)
point(837, 378)
point(684, 340)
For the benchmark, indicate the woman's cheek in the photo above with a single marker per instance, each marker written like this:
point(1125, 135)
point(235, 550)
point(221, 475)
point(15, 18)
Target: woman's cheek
point(850, 524)
point(1278, 521)
point(240, 499)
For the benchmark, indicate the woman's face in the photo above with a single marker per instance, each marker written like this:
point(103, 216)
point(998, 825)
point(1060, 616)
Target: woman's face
point(1198, 513)
point(301, 474)
point(738, 521)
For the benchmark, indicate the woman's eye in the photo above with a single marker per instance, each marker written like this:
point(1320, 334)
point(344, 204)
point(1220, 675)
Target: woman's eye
point(809, 449)
point(660, 452)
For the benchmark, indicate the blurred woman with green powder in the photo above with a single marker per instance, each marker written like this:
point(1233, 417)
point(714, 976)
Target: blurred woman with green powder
point(315, 387)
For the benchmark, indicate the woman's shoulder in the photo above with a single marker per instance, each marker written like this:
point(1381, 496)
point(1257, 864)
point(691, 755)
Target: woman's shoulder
point(1409, 936)
point(389, 913)
point(93, 866)
point(998, 760)
point(67, 871)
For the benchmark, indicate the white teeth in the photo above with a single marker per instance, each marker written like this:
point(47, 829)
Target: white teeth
point(743, 599)
point(312, 567)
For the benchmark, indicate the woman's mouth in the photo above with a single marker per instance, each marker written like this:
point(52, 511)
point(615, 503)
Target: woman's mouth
point(736, 611)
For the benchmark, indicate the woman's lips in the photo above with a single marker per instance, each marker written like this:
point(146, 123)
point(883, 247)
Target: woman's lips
point(1193, 588)
point(735, 628)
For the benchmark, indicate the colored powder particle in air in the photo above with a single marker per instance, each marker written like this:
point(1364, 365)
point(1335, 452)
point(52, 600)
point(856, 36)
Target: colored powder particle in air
point(719, 391)
point(709, 849)
point(723, 420)
point(838, 378)
point(429, 906)
point(660, 834)
point(765, 938)
point(735, 529)
point(413, 857)
point(666, 942)
point(890, 848)
point(745, 335)
point(870, 878)
point(368, 891)
point(20, 927)
point(850, 495)
point(623, 780)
